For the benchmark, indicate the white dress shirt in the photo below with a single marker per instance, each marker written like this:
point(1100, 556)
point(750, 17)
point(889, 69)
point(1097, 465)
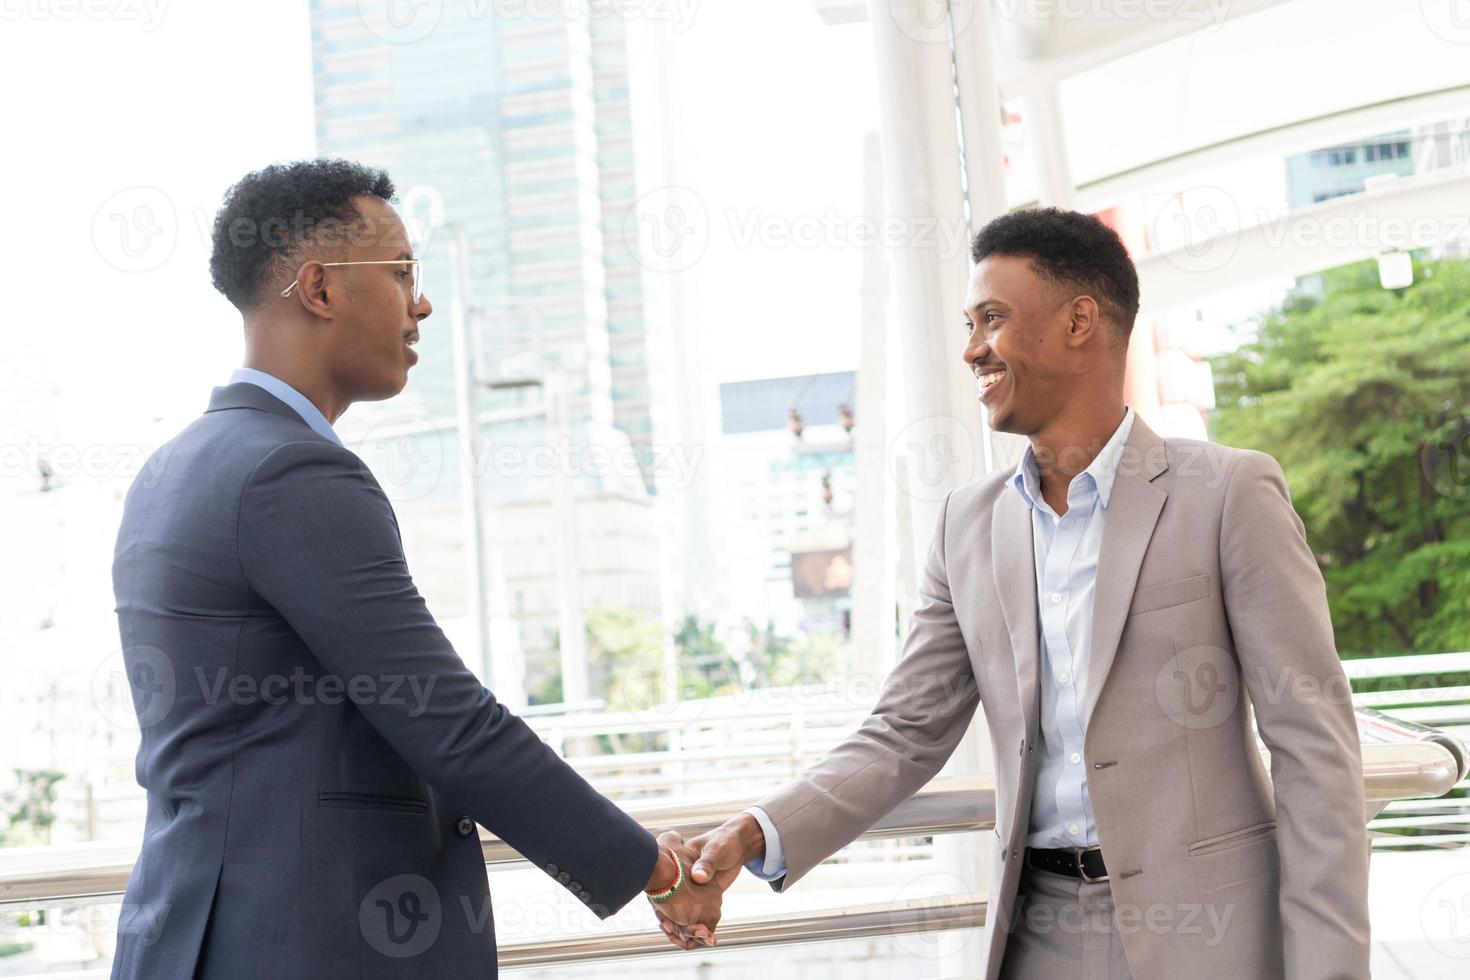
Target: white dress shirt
point(1065, 549)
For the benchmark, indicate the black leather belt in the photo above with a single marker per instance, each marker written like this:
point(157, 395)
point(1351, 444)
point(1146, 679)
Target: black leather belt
point(1074, 862)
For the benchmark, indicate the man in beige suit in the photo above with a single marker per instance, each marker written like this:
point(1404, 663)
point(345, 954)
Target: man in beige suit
point(1120, 603)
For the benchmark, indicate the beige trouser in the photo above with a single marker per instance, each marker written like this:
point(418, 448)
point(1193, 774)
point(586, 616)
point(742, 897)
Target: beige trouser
point(1063, 928)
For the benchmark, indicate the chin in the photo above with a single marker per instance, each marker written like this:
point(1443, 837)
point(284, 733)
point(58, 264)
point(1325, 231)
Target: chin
point(1001, 421)
point(384, 389)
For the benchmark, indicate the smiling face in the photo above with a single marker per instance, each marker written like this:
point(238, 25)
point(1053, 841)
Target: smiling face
point(1034, 345)
point(374, 319)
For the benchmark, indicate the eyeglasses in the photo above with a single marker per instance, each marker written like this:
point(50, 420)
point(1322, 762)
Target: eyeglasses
point(417, 289)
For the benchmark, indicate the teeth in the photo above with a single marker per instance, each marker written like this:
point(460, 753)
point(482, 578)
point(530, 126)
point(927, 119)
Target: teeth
point(985, 381)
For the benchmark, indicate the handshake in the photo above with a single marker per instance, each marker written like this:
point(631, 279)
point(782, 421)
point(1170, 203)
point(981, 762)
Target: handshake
point(690, 878)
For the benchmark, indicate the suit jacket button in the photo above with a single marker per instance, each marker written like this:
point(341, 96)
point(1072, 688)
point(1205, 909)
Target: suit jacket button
point(464, 827)
point(552, 869)
point(574, 886)
point(563, 877)
point(585, 896)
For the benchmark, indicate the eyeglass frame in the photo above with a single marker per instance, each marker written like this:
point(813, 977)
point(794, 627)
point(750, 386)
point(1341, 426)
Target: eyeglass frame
point(416, 291)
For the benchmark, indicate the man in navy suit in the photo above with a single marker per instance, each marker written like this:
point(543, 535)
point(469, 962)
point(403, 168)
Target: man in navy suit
point(316, 755)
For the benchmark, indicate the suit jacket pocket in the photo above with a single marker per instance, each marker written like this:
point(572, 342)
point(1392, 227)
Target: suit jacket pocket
point(1236, 857)
point(1167, 594)
point(369, 801)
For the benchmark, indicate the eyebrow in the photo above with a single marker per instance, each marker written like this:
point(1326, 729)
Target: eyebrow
point(980, 307)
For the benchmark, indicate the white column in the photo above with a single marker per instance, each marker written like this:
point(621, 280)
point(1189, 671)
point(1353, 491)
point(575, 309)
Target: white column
point(1043, 118)
point(943, 436)
point(495, 642)
point(924, 197)
point(874, 587)
point(571, 624)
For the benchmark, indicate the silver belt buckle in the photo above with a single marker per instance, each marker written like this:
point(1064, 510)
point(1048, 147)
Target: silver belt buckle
point(1077, 853)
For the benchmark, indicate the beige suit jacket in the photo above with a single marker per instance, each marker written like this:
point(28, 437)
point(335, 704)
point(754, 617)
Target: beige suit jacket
point(1208, 605)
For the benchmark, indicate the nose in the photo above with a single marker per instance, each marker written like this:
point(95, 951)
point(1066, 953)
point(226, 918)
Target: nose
point(422, 309)
point(976, 350)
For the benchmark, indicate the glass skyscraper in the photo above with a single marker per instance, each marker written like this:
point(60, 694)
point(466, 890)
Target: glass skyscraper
point(519, 121)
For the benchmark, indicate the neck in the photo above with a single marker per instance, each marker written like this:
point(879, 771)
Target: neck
point(1068, 444)
point(300, 367)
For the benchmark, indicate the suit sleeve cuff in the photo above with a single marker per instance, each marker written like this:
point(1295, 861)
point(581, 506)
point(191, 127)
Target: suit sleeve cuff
point(773, 865)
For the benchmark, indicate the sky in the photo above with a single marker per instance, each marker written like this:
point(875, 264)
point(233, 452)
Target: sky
point(136, 123)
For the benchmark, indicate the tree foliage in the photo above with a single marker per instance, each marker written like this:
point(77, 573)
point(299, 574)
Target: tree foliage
point(1363, 395)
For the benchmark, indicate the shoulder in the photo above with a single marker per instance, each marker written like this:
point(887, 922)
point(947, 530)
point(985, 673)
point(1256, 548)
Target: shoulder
point(1212, 462)
point(980, 494)
point(314, 461)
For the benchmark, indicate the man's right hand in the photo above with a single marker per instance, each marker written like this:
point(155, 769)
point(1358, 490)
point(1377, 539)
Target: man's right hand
point(726, 849)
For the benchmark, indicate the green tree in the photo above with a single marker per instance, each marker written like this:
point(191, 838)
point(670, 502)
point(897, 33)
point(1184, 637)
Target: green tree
point(706, 666)
point(785, 661)
point(624, 649)
point(1358, 391)
point(30, 808)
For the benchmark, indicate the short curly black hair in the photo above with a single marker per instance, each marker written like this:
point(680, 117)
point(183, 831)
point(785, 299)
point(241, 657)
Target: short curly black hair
point(1070, 249)
point(272, 212)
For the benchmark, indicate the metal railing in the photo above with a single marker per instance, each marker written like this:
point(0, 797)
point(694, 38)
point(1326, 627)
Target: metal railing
point(1411, 693)
point(1406, 763)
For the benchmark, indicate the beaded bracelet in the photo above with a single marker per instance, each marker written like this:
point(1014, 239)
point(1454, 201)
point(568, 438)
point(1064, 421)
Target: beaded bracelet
point(669, 892)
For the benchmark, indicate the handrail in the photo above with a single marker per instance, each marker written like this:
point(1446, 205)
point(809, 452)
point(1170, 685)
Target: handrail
point(1376, 724)
point(824, 925)
point(40, 877)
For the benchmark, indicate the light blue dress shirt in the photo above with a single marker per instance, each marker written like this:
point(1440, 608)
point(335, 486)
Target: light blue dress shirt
point(299, 403)
point(1066, 549)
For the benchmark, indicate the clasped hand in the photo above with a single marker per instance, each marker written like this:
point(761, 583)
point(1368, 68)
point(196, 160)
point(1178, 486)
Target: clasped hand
point(712, 862)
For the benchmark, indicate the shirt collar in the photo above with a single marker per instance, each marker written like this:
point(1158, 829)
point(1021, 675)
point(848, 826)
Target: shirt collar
point(298, 402)
point(1102, 470)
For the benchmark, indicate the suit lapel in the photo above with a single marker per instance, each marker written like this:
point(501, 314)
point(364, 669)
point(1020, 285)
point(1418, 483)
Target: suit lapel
point(1133, 510)
point(1013, 563)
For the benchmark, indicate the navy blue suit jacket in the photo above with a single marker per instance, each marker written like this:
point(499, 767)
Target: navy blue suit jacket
point(316, 755)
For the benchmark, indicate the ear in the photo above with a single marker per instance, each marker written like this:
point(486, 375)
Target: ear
point(312, 290)
point(1086, 322)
